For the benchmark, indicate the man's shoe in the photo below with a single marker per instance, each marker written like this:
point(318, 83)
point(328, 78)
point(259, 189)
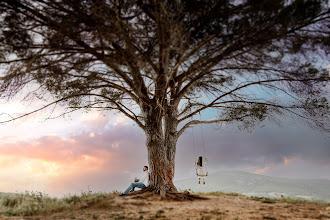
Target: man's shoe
point(122, 194)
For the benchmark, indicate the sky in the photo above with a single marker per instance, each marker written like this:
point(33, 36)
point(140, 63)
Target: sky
point(92, 152)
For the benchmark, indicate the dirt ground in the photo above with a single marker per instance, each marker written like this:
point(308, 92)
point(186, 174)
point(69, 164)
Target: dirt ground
point(216, 207)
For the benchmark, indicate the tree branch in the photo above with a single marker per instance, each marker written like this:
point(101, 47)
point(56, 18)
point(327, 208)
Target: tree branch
point(133, 117)
point(241, 87)
point(196, 122)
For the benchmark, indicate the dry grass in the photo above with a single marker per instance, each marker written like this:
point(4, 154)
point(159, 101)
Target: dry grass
point(217, 193)
point(287, 200)
point(36, 203)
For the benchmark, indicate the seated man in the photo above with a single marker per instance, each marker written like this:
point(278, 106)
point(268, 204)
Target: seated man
point(139, 183)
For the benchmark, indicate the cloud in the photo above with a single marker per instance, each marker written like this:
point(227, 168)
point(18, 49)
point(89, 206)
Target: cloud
point(91, 134)
point(121, 120)
point(93, 120)
point(110, 155)
point(227, 149)
point(287, 160)
point(9, 162)
point(300, 168)
point(261, 170)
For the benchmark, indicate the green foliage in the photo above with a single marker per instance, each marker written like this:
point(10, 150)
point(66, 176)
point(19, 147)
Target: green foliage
point(246, 115)
point(11, 201)
point(321, 104)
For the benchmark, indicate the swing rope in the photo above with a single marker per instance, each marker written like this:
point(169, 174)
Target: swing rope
point(201, 126)
point(203, 140)
point(193, 137)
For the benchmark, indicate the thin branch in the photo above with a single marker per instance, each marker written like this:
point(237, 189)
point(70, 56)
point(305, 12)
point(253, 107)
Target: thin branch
point(134, 117)
point(196, 122)
point(241, 87)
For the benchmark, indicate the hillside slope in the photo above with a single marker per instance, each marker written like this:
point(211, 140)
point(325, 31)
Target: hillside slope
point(259, 185)
point(217, 206)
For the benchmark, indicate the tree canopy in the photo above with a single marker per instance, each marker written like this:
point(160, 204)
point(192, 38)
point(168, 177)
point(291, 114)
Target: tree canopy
point(111, 54)
point(161, 63)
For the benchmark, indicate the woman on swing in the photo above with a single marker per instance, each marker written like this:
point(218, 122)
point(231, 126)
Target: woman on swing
point(201, 170)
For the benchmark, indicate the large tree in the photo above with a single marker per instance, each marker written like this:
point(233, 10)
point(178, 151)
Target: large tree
point(161, 63)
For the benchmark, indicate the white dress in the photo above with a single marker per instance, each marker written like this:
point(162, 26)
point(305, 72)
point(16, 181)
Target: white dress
point(201, 171)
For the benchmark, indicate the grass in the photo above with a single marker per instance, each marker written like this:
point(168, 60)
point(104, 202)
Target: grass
point(287, 200)
point(257, 198)
point(216, 193)
point(30, 203)
point(36, 203)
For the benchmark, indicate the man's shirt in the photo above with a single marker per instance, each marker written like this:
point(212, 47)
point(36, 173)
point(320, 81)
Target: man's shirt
point(145, 178)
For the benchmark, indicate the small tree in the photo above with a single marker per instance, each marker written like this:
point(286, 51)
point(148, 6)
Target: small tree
point(170, 60)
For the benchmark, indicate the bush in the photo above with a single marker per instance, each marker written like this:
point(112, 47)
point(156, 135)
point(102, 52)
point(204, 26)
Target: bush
point(11, 201)
point(30, 203)
point(73, 199)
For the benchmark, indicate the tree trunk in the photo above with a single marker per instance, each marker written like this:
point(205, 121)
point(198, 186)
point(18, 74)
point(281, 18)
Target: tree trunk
point(161, 144)
point(161, 167)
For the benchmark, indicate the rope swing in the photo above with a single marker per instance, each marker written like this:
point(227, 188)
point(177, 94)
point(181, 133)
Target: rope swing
point(200, 162)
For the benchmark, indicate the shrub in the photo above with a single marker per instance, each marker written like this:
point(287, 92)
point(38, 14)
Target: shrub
point(30, 203)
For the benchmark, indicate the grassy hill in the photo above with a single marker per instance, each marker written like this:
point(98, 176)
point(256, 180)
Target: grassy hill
point(219, 205)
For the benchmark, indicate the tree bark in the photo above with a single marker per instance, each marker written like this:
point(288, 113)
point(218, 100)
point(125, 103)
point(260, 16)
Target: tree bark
point(161, 139)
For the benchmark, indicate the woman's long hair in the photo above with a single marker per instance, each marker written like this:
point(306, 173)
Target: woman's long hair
point(200, 161)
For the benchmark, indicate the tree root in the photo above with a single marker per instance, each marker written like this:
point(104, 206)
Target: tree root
point(169, 195)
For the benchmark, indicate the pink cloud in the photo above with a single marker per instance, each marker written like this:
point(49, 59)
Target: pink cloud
point(56, 148)
point(102, 158)
point(9, 161)
point(50, 148)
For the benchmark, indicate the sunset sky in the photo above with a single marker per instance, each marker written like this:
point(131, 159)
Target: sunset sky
point(90, 151)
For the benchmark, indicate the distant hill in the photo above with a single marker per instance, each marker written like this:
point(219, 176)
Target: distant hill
point(259, 185)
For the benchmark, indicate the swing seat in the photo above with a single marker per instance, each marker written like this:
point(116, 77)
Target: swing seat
point(201, 170)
